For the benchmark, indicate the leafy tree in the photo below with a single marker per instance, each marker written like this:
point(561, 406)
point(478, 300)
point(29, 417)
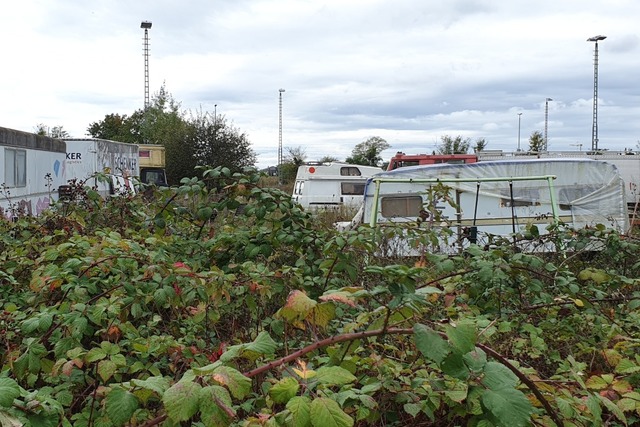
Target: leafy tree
point(450, 145)
point(294, 157)
point(116, 127)
point(481, 144)
point(217, 142)
point(368, 152)
point(536, 142)
point(199, 140)
point(54, 132)
point(329, 159)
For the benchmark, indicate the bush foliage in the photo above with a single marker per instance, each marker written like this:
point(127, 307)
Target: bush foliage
point(223, 303)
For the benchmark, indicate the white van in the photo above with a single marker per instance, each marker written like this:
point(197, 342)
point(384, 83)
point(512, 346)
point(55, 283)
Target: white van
point(331, 185)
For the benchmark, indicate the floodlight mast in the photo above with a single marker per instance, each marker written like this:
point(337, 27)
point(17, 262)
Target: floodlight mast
point(145, 49)
point(546, 123)
point(594, 126)
point(280, 91)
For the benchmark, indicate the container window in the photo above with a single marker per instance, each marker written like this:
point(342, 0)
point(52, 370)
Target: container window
point(15, 168)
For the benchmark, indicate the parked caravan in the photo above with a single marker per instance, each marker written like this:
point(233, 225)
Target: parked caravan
point(33, 170)
point(87, 159)
point(627, 162)
point(477, 202)
point(330, 185)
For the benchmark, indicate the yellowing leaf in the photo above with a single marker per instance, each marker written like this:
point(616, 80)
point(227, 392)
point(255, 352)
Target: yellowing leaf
point(343, 297)
point(578, 302)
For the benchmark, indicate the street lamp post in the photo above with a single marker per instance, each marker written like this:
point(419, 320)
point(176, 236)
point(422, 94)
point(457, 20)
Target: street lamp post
point(146, 25)
point(281, 91)
point(546, 123)
point(594, 126)
point(519, 119)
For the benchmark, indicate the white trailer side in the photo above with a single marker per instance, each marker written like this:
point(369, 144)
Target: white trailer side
point(87, 158)
point(33, 170)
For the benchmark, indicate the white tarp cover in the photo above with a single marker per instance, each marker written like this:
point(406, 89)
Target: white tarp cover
point(591, 191)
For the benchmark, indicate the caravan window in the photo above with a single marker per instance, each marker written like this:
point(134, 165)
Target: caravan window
point(297, 189)
point(15, 168)
point(521, 197)
point(401, 206)
point(352, 188)
point(350, 171)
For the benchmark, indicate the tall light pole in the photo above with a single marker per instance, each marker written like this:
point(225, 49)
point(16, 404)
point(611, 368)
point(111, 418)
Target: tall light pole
point(281, 91)
point(519, 120)
point(546, 123)
point(594, 126)
point(145, 49)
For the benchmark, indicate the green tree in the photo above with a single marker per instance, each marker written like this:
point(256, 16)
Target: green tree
point(115, 127)
point(53, 132)
point(536, 142)
point(481, 144)
point(329, 159)
point(368, 152)
point(294, 158)
point(217, 142)
point(451, 145)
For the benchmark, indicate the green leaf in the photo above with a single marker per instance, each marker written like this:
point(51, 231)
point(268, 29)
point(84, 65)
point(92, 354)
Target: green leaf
point(475, 360)
point(510, 406)
point(106, 369)
point(298, 306)
point(284, 390)
point(462, 336)
point(238, 384)
point(334, 375)
point(182, 400)
point(300, 411)
point(120, 406)
point(9, 390)
point(497, 376)
point(327, 413)
point(7, 420)
point(430, 344)
point(593, 403)
point(95, 354)
point(216, 407)
point(454, 366)
point(614, 409)
point(261, 346)
point(156, 384)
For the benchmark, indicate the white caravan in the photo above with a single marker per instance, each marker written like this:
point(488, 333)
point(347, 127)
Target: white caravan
point(32, 172)
point(478, 202)
point(627, 162)
point(331, 185)
point(88, 158)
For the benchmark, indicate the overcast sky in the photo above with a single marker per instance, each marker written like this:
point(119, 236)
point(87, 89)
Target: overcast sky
point(409, 71)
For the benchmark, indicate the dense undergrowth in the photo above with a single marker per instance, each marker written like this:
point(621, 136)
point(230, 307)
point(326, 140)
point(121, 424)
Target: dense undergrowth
point(222, 303)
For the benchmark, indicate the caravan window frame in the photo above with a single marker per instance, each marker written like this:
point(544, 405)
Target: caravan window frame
point(408, 206)
point(350, 171)
point(15, 168)
point(352, 188)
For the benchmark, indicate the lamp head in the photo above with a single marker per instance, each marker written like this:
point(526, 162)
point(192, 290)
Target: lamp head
point(596, 38)
point(145, 24)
